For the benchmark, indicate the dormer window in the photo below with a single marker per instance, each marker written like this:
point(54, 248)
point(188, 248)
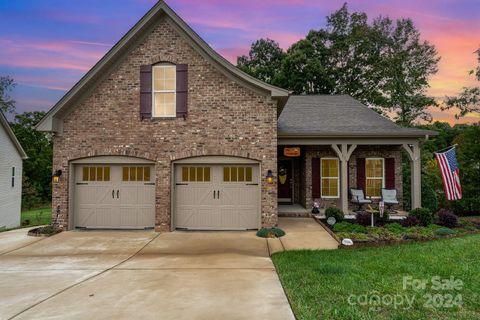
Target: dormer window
point(164, 86)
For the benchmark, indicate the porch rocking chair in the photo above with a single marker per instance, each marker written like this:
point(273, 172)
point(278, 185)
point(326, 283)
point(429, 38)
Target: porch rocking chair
point(359, 198)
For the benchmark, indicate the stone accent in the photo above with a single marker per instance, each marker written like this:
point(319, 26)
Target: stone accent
point(360, 151)
point(224, 118)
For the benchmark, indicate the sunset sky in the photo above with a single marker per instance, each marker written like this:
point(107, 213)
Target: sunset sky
point(48, 45)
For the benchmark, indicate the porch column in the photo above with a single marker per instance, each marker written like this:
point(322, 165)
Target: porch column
point(344, 151)
point(413, 151)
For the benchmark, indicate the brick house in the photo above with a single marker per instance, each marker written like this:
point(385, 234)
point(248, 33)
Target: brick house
point(163, 132)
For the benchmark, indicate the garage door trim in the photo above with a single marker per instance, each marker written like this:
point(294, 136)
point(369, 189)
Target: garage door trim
point(219, 160)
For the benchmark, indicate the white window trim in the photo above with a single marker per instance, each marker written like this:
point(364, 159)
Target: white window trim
point(383, 175)
point(158, 66)
point(330, 178)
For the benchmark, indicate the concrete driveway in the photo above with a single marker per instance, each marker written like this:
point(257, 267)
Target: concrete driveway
point(139, 275)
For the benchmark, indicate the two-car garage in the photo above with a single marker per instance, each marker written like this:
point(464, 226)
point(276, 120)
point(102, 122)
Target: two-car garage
point(208, 193)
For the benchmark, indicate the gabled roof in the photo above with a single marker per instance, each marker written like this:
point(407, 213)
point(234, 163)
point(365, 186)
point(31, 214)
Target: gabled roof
point(11, 135)
point(53, 119)
point(338, 116)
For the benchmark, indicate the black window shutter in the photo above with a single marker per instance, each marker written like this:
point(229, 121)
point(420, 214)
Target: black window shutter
point(316, 178)
point(361, 177)
point(390, 173)
point(145, 92)
point(182, 90)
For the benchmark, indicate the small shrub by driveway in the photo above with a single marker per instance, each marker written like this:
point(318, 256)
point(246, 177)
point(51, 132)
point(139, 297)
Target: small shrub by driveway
point(332, 284)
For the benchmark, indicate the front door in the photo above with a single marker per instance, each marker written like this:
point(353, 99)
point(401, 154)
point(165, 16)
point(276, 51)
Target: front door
point(285, 180)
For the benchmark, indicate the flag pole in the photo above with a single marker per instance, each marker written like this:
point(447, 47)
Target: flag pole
point(447, 148)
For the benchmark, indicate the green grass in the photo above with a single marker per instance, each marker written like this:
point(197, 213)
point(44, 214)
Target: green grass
point(37, 217)
point(320, 283)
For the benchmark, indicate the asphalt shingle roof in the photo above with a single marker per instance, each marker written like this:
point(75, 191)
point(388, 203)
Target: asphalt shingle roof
point(337, 115)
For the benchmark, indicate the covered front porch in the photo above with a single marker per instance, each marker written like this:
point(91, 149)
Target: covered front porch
point(323, 170)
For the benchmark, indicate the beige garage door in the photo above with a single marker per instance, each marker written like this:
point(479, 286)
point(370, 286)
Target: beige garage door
point(114, 196)
point(217, 197)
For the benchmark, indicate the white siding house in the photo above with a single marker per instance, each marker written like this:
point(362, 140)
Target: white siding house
point(11, 157)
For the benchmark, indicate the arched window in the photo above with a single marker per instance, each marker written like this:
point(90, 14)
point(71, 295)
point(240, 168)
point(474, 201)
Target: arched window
point(164, 90)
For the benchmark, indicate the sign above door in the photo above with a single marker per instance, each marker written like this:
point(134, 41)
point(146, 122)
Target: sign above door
point(292, 152)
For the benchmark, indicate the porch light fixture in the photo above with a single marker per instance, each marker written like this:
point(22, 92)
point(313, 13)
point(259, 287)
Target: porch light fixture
point(269, 177)
point(56, 176)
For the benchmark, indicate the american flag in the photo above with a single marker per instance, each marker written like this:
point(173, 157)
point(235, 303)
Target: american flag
point(447, 162)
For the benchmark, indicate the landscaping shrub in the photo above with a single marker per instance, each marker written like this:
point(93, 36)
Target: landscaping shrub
point(444, 231)
point(349, 227)
point(410, 221)
point(447, 219)
point(336, 213)
point(423, 214)
point(419, 233)
point(270, 233)
point(363, 218)
point(382, 234)
point(382, 220)
point(395, 228)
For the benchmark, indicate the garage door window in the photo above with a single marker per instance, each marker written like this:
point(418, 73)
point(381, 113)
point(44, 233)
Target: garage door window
point(136, 174)
point(195, 174)
point(96, 173)
point(237, 174)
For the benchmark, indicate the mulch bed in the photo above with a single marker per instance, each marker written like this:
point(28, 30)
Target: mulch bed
point(45, 231)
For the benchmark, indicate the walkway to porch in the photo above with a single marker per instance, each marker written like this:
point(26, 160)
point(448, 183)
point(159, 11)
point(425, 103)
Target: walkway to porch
point(296, 210)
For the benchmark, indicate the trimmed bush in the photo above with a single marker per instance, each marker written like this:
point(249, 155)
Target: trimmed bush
point(270, 233)
point(446, 218)
point(349, 227)
point(336, 213)
point(410, 221)
point(423, 214)
point(444, 232)
point(363, 218)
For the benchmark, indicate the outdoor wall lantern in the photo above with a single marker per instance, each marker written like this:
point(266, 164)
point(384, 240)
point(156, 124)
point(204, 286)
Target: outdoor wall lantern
point(269, 177)
point(56, 176)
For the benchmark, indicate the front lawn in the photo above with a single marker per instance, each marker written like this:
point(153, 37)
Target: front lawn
point(367, 283)
point(36, 217)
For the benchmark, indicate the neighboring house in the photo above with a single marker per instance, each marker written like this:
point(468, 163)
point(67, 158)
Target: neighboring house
point(163, 132)
point(11, 158)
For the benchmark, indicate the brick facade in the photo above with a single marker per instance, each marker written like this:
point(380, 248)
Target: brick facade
point(224, 118)
point(360, 151)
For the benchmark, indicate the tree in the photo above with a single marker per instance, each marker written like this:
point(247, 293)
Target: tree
point(37, 169)
point(468, 100)
point(384, 64)
point(263, 61)
point(7, 104)
point(408, 64)
point(468, 156)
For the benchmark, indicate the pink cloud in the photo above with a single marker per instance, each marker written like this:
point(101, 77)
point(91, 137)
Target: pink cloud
point(28, 53)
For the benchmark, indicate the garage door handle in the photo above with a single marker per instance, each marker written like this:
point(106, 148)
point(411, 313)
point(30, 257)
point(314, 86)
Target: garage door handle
point(218, 194)
point(113, 194)
point(118, 194)
point(214, 194)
